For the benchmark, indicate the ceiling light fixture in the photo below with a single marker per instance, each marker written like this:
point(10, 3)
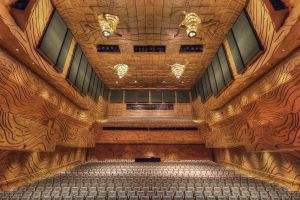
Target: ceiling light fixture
point(121, 69)
point(191, 22)
point(177, 69)
point(108, 24)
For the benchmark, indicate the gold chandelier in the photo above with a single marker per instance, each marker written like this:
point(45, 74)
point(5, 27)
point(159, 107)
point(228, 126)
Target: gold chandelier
point(108, 24)
point(121, 70)
point(177, 69)
point(191, 22)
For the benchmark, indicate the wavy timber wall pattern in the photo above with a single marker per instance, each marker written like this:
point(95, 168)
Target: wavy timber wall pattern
point(44, 124)
point(18, 168)
point(254, 124)
point(283, 168)
point(34, 116)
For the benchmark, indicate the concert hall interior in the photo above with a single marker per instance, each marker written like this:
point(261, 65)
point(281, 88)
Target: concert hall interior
point(149, 99)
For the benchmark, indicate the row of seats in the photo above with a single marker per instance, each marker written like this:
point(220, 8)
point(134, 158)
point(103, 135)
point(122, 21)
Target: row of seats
point(127, 180)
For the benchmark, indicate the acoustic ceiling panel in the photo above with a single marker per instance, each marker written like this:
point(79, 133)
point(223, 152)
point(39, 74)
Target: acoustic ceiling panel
point(154, 27)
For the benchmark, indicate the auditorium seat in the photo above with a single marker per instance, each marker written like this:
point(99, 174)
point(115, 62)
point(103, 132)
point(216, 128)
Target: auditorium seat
point(127, 180)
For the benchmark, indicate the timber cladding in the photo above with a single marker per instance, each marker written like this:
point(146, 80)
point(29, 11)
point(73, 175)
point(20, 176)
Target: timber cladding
point(19, 168)
point(278, 167)
point(35, 116)
point(164, 151)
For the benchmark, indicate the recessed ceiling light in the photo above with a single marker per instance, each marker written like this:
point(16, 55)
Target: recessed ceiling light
point(117, 82)
point(283, 50)
point(17, 49)
point(182, 81)
point(163, 81)
point(33, 63)
point(135, 81)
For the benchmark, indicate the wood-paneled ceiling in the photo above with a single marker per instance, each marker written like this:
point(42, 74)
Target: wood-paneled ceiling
point(148, 22)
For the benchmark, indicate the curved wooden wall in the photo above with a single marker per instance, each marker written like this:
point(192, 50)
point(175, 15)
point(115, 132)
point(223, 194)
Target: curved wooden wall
point(19, 168)
point(165, 152)
point(35, 116)
point(12, 37)
point(282, 168)
point(254, 123)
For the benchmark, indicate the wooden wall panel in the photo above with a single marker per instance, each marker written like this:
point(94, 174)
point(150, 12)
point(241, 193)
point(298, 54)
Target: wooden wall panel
point(149, 137)
point(257, 116)
point(35, 116)
point(282, 168)
point(12, 37)
point(277, 46)
point(19, 168)
point(271, 120)
point(165, 152)
point(181, 110)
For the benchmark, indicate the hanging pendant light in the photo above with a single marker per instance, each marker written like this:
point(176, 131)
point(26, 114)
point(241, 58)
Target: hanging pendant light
point(121, 70)
point(191, 22)
point(108, 24)
point(177, 69)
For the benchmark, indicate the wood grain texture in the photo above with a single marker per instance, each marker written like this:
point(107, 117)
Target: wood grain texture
point(149, 137)
point(254, 123)
point(181, 110)
point(19, 168)
point(263, 121)
point(12, 37)
point(35, 116)
point(277, 46)
point(282, 168)
point(148, 23)
point(165, 152)
point(263, 115)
